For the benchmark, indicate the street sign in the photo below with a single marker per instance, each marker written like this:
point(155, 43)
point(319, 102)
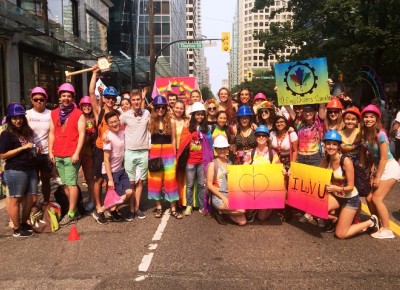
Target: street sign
point(190, 45)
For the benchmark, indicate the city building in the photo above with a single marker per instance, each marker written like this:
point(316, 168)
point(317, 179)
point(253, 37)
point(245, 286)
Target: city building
point(129, 35)
point(250, 52)
point(40, 40)
point(233, 66)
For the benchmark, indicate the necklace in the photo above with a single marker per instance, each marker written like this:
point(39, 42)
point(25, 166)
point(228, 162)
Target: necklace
point(279, 140)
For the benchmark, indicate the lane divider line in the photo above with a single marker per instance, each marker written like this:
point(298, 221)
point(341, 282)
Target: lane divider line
point(147, 258)
point(393, 226)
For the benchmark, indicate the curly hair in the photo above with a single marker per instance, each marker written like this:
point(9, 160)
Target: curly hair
point(208, 102)
point(228, 106)
point(155, 120)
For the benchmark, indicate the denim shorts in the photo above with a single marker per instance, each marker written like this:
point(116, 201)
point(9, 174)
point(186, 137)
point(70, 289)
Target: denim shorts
point(216, 201)
point(121, 181)
point(21, 183)
point(350, 202)
point(98, 159)
point(314, 159)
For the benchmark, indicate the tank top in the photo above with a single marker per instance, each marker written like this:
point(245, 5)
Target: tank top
point(221, 180)
point(65, 136)
point(340, 180)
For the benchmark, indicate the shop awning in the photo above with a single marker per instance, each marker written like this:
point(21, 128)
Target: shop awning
point(29, 29)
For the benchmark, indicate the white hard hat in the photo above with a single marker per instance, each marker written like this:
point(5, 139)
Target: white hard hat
point(197, 107)
point(118, 100)
point(221, 142)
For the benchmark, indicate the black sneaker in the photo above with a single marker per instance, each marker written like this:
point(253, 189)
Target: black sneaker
point(130, 216)
point(219, 218)
point(21, 233)
point(116, 216)
point(140, 214)
point(26, 227)
point(331, 227)
point(99, 217)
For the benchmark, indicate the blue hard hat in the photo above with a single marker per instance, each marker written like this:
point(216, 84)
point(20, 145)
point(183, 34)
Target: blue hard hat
point(110, 91)
point(333, 135)
point(159, 101)
point(262, 129)
point(244, 111)
point(14, 110)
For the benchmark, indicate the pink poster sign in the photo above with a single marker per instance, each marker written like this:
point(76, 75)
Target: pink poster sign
point(306, 189)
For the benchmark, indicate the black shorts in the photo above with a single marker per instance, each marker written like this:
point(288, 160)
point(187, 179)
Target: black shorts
point(98, 159)
point(43, 164)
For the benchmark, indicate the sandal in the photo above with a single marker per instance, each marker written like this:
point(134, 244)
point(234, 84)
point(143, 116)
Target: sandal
point(158, 213)
point(176, 215)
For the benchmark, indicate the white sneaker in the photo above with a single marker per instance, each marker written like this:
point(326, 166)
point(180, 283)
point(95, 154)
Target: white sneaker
point(383, 234)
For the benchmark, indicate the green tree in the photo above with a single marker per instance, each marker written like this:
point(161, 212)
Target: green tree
point(206, 93)
point(350, 33)
point(258, 86)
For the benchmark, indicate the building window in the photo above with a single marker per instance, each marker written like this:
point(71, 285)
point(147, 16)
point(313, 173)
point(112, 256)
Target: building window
point(96, 32)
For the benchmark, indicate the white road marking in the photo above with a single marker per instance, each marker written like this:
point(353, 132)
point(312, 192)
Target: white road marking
point(147, 258)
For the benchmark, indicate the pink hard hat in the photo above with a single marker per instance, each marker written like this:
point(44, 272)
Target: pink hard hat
point(260, 96)
point(39, 90)
point(371, 109)
point(85, 100)
point(66, 87)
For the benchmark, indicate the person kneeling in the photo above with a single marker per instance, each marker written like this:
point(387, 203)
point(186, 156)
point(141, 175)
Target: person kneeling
point(217, 182)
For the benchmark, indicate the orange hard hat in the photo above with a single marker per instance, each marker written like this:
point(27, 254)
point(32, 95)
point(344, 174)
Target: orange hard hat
point(354, 111)
point(334, 104)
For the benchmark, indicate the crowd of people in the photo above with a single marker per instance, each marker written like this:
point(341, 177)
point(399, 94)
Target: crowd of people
point(183, 151)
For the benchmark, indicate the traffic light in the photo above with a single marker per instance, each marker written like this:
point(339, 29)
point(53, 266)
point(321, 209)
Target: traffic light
point(249, 76)
point(226, 41)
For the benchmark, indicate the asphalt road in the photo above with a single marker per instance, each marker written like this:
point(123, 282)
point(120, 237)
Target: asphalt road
point(198, 253)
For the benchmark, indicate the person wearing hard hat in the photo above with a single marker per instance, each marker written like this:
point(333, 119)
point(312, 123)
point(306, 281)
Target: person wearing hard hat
point(39, 118)
point(66, 137)
point(334, 120)
point(217, 184)
point(17, 148)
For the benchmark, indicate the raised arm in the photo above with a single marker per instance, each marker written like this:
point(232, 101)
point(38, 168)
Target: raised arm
point(92, 87)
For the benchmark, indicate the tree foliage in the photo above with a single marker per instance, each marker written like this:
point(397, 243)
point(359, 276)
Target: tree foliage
point(258, 86)
point(350, 33)
point(206, 93)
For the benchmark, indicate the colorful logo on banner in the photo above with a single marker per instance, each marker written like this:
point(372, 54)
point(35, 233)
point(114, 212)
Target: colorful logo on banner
point(181, 86)
point(258, 186)
point(306, 189)
point(302, 82)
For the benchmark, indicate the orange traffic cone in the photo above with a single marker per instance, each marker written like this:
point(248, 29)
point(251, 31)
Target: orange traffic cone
point(73, 234)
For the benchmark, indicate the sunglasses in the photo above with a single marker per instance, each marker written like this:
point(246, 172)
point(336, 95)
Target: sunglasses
point(110, 98)
point(160, 108)
point(266, 111)
point(333, 112)
point(38, 100)
point(212, 108)
point(262, 135)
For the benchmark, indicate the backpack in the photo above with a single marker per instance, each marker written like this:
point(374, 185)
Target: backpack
point(361, 179)
point(270, 155)
point(62, 200)
point(46, 221)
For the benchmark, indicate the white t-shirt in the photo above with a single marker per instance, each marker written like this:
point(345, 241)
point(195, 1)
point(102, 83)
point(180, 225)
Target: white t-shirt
point(285, 145)
point(117, 148)
point(40, 124)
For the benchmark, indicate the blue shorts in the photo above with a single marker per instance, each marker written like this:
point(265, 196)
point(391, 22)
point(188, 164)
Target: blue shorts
point(21, 183)
point(216, 201)
point(350, 202)
point(121, 182)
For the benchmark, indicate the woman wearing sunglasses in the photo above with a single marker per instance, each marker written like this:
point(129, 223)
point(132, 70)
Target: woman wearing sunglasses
point(212, 109)
point(334, 120)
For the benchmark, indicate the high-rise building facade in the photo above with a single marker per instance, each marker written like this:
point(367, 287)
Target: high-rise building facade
point(40, 40)
point(233, 66)
point(130, 36)
point(250, 55)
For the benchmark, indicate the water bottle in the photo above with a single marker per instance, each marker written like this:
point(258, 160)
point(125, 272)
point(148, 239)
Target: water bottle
point(33, 153)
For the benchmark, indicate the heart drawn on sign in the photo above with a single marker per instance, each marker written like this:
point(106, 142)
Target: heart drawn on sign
point(254, 184)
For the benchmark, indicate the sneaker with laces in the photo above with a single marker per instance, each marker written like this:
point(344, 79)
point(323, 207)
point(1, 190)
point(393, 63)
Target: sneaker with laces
point(383, 234)
point(21, 233)
point(116, 216)
point(375, 220)
point(66, 220)
point(188, 210)
point(305, 218)
point(99, 217)
point(130, 216)
point(26, 227)
point(331, 227)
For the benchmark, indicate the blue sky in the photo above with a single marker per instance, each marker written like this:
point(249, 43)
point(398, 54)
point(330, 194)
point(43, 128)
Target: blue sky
point(217, 17)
